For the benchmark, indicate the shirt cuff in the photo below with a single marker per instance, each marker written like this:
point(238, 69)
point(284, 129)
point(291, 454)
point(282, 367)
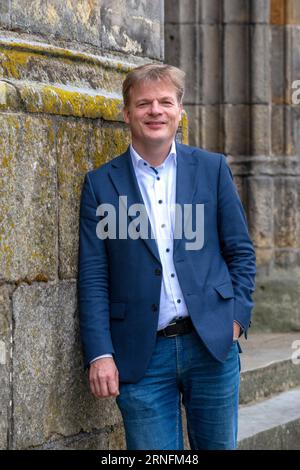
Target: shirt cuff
point(100, 357)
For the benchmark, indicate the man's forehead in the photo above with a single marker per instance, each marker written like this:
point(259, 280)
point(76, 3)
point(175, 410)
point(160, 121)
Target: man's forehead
point(161, 86)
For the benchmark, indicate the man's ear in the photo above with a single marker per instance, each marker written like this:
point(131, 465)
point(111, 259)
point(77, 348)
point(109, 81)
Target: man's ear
point(181, 110)
point(126, 115)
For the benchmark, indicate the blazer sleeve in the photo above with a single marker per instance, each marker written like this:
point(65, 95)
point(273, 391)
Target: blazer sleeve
point(236, 245)
point(93, 281)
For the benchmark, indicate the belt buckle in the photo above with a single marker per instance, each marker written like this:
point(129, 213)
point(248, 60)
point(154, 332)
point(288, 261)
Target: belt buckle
point(170, 336)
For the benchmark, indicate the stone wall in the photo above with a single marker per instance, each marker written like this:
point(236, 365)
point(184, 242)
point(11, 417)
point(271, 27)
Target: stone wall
point(61, 69)
point(241, 59)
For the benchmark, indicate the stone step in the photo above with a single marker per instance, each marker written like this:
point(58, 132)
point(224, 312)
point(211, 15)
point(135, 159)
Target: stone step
point(267, 365)
point(273, 424)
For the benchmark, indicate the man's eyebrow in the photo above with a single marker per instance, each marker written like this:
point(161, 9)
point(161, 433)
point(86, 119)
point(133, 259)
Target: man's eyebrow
point(140, 100)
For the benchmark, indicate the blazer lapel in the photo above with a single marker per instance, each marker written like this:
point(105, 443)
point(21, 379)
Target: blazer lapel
point(124, 180)
point(186, 184)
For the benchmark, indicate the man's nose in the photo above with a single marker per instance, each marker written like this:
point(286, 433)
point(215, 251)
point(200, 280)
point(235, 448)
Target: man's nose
point(155, 107)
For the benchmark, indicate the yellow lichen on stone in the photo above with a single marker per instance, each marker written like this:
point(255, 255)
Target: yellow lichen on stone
point(8, 96)
point(184, 124)
point(50, 99)
point(13, 62)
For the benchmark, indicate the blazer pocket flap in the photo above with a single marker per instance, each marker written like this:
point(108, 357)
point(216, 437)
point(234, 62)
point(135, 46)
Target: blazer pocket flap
point(225, 290)
point(117, 310)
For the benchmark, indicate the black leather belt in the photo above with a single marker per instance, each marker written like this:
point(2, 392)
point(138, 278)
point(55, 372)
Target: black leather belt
point(179, 327)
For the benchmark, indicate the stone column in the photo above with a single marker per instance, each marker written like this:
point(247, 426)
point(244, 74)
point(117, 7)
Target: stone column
point(241, 58)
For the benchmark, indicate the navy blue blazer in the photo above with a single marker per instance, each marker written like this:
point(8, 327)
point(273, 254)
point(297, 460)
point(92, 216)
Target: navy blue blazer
point(120, 279)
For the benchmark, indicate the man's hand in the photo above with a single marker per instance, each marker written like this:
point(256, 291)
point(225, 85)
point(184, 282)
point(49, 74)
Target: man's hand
point(104, 378)
point(236, 331)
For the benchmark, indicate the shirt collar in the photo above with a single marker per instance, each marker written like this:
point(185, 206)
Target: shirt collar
point(137, 160)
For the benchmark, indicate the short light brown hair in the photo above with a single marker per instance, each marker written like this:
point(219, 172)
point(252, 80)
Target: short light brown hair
point(154, 72)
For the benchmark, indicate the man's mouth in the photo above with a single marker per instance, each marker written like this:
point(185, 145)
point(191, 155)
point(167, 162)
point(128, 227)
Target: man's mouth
point(155, 124)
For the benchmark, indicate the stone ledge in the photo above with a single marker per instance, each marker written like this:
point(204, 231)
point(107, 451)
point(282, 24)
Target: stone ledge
point(271, 425)
point(272, 370)
point(60, 100)
point(42, 48)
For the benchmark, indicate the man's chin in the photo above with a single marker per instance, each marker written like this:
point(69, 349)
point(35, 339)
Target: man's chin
point(156, 139)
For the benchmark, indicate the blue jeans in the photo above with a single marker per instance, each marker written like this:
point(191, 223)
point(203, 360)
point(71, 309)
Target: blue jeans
point(181, 368)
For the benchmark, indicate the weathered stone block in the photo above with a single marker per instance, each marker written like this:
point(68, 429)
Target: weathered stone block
point(116, 439)
point(173, 40)
point(292, 129)
point(277, 305)
point(278, 65)
point(133, 27)
point(194, 123)
point(82, 441)
point(172, 10)
point(209, 64)
point(210, 11)
point(237, 129)
point(189, 36)
point(287, 259)
point(81, 146)
point(278, 12)
point(50, 390)
point(260, 64)
point(28, 211)
point(236, 11)
point(278, 129)
point(108, 142)
point(181, 11)
point(211, 128)
point(5, 346)
point(260, 11)
point(236, 77)
point(293, 12)
point(200, 45)
point(73, 142)
point(75, 20)
point(260, 207)
point(260, 130)
point(286, 206)
point(5, 13)
point(292, 59)
point(264, 259)
point(8, 96)
point(41, 64)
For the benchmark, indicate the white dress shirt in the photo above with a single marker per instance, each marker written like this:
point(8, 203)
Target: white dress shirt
point(158, 189)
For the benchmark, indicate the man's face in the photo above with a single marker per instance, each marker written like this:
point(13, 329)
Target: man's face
point(153, 113)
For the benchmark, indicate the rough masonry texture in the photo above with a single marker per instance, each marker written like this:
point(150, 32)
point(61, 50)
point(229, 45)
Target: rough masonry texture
point(61, 69)
point(241, 59)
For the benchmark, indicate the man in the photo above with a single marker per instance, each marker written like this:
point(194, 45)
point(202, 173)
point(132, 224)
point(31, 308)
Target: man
point(159, 315)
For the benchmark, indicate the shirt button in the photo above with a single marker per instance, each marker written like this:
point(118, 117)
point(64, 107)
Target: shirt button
point(158, 178)
point(172, 275)
point(158, 272)
point(178, 301)
point(163, 225)
point(160, 201)
point(145, 163)
point(167, 250)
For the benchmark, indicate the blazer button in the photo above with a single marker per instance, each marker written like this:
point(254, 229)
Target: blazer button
point(154, 308)
point(158, 272)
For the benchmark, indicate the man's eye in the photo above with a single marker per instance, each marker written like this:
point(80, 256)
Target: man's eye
point(140, 105)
